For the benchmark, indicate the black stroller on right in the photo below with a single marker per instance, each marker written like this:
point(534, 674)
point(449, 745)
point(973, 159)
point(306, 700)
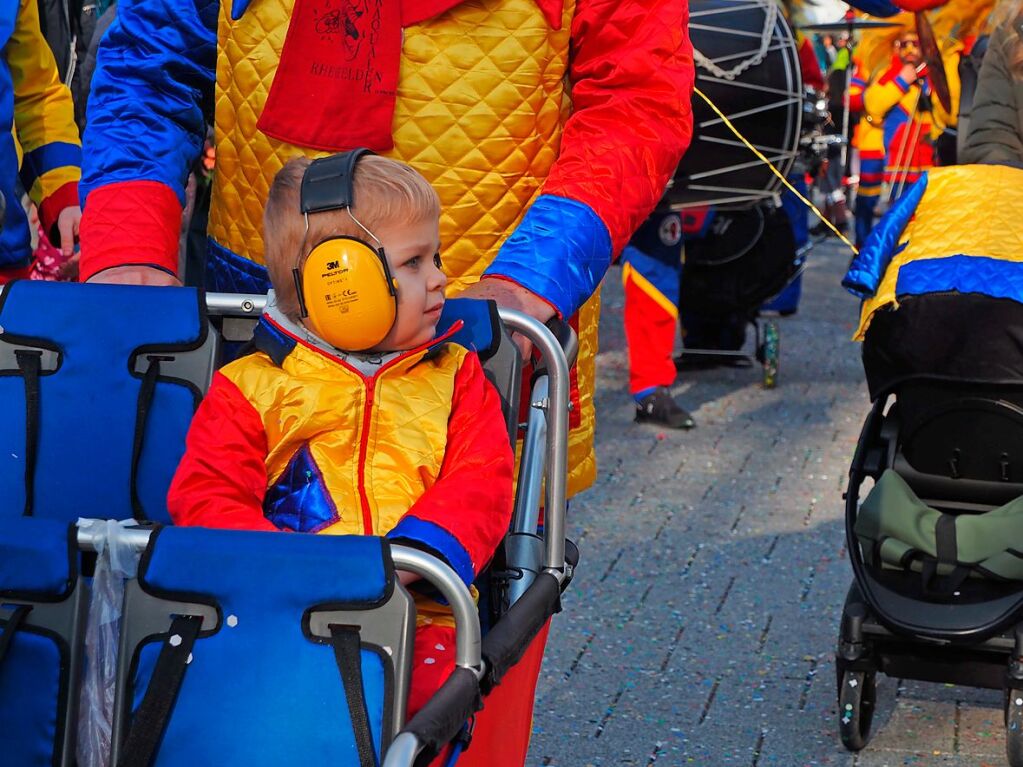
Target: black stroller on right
point(937, 545)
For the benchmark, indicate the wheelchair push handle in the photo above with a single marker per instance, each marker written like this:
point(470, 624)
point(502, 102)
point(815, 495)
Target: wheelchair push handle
point(566, 337)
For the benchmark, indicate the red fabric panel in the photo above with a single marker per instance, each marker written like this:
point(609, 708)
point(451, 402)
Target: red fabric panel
point(918, 5)
point(632, 79)
point(130, 222)
point(809, 66)
point(17, 273)
point(433, 660)
point(472, 497)
point(65, 197)
point(503, 727)
point(221, 480)
point(650, 334)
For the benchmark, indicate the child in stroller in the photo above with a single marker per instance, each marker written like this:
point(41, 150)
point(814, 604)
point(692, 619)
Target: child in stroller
point(351, 417)
point(938, 589)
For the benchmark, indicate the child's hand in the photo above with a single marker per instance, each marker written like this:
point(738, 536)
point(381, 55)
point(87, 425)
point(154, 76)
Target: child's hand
point(67, 224)
point(511, 296)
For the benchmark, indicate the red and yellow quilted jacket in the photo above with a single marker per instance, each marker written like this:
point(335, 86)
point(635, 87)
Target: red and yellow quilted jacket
point(294, 438)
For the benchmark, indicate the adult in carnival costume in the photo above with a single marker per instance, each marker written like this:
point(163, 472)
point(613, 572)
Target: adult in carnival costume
point(544, 164)
point(479, 96)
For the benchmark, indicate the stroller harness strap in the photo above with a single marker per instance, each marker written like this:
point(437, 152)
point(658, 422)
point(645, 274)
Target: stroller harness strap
point(347, 647)
point(80, 352)
point(896, 529)
point(151, 717)
point(30, 364)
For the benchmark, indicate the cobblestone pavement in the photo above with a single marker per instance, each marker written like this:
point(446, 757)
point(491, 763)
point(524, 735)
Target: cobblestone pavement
point(701, 625)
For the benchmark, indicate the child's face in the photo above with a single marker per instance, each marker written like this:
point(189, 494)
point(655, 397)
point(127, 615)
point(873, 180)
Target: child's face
point(410, 250)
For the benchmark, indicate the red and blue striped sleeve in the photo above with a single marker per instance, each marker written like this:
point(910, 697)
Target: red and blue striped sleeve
point(632, 78)
point(151, 95)
point(44, 121)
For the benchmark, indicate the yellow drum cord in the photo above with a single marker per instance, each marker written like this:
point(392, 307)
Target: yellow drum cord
point(774, 170)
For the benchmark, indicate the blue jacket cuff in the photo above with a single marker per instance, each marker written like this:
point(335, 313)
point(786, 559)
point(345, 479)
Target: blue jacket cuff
point(560, 251)
point(867, 269)
point(422, 534)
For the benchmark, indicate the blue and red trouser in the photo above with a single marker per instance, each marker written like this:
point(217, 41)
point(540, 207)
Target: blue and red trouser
point(868, 193)
point(651, 275)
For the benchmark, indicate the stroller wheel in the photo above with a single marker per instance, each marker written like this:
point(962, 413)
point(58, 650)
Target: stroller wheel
point(769, 355)
point(856, 697)
point(1014, 727)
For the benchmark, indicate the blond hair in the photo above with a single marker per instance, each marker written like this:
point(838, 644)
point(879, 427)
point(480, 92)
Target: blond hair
point(385, 193)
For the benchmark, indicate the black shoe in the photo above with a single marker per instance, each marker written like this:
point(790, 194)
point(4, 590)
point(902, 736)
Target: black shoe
point(660, 407)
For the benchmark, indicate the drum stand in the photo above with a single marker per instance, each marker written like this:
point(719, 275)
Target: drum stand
point(766, 342)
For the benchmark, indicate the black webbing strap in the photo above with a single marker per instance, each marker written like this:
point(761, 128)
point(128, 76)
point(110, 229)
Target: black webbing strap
point(13, 624)
point(146, 392)
point(347, 652)
point(30, 364)
point(151, 717)
point(946, 549)
point(945, 544)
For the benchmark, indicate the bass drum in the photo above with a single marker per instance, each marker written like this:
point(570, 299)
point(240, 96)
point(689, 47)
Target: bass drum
point(747, 64)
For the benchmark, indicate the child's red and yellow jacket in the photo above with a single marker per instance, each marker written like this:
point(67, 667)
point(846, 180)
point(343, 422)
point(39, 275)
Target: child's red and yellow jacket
point(38, 135)
point(293, 437)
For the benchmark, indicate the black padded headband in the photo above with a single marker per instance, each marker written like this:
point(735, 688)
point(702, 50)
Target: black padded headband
point(327, 182)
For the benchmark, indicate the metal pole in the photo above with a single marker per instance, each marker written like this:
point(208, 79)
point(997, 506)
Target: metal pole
point(556, 409)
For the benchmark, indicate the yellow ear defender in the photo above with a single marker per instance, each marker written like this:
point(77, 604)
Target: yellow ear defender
point(346, 293)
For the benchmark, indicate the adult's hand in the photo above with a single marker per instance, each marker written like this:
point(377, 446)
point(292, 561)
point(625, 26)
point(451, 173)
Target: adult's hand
point(135, 275)
point(68, 221)
point(511, 295)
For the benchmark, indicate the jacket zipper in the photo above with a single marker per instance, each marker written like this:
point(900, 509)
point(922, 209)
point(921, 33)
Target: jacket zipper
point(367, 413)
point(370, 384)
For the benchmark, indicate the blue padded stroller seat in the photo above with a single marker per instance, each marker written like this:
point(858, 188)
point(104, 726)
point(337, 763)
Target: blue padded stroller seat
point(41, 611)
point(98, 384)
point(295, 638)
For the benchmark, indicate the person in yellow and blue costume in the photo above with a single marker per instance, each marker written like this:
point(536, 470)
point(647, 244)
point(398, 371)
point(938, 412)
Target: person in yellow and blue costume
point(343, 424)
point(929, 242)
point(38, 139)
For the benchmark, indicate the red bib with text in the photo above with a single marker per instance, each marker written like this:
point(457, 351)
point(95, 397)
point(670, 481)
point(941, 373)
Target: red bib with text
point(336, 82)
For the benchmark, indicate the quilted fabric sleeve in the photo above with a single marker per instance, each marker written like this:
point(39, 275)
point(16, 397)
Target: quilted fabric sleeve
point(151, 92)
point(222, 479)
point(880, 97)
point(466, 513)
point(44, 119)
point(868, 268)
point(994, 135)
point(632, 77)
